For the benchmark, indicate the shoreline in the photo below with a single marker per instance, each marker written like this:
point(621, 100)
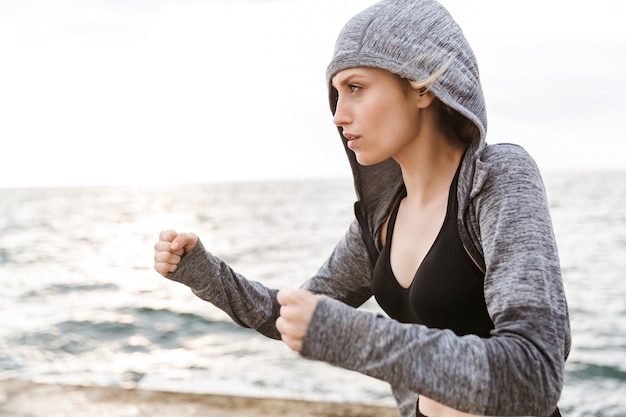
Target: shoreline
point(21, 398)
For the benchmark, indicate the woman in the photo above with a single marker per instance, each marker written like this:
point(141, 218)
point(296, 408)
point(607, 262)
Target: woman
point(453, 237)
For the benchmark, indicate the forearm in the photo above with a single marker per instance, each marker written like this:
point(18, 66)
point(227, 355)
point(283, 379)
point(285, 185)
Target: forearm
point(404, 355)
point(466, 373)
point(248, 303)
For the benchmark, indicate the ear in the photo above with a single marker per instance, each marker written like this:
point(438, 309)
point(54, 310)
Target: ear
point(424, 98)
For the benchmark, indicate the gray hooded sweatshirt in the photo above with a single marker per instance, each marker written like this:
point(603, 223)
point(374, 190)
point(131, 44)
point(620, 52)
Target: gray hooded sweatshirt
point(503, 221)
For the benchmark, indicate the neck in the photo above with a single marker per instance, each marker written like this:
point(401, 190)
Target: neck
point(428, 171)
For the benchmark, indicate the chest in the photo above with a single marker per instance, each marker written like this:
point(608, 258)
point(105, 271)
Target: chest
point(415, 231)
point(424, 275)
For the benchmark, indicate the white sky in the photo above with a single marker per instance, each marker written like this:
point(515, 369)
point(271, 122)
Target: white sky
point(167, 91)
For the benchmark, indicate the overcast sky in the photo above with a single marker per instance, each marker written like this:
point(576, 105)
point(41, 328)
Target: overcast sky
point(167, 91)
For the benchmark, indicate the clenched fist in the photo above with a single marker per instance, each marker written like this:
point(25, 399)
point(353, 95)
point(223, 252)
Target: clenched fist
point(296, 312)
point(170, 248)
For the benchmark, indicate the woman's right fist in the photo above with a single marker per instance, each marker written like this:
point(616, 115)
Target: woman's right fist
point(170, 248)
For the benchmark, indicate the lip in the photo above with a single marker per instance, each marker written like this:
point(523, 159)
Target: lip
point(352, 143)
point(352, 139)
point(349, 135)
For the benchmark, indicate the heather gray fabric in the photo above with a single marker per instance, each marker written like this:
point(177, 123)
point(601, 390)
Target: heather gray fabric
point(518, 371)
point(503, 221)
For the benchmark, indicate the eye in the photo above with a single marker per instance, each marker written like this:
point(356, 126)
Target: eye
point(354, 88)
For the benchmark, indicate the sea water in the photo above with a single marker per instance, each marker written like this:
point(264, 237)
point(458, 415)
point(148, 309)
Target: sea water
point(81, 303)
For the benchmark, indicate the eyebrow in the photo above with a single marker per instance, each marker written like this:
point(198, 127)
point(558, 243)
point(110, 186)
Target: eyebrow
point(347, 79)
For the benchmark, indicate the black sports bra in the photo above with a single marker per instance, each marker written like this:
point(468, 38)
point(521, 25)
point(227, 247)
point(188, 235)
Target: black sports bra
point(447, 289)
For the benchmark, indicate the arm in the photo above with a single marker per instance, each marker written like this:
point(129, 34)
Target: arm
point(523, 285)
point(519, 370)
point(249, 303)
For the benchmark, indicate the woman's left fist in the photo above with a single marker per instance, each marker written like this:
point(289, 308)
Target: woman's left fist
point(296, 312)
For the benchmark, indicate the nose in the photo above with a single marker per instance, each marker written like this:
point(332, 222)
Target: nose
point(342, 115)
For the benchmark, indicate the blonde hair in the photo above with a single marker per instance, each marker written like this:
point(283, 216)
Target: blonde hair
point(464, 128)
point(424, 85)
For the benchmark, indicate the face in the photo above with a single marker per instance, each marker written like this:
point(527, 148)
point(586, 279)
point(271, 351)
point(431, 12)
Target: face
point(378, 113)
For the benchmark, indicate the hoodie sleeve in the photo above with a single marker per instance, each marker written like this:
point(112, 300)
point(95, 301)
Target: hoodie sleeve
point(345, 276)
point(251, 304)
point(517, 371)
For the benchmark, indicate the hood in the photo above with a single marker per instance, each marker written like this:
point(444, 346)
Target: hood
point(414, 39)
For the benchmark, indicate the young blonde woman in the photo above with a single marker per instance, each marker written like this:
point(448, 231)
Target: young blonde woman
point(452, 237)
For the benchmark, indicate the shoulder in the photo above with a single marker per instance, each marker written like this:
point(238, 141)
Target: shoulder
point(505, 165)
point(506, 182)
point(503, 156)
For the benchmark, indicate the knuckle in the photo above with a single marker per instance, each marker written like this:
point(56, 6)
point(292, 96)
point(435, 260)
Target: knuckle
point(280, 325)
point(164, 268)
point(160, 268)
point(168, 234)
point(287, 312)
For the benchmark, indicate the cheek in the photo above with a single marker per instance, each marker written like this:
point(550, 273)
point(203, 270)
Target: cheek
point(388, 118)
point(406, 119)
point(398, 123)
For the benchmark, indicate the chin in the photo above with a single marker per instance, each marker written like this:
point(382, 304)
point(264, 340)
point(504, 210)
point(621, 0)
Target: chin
point(367, 161)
